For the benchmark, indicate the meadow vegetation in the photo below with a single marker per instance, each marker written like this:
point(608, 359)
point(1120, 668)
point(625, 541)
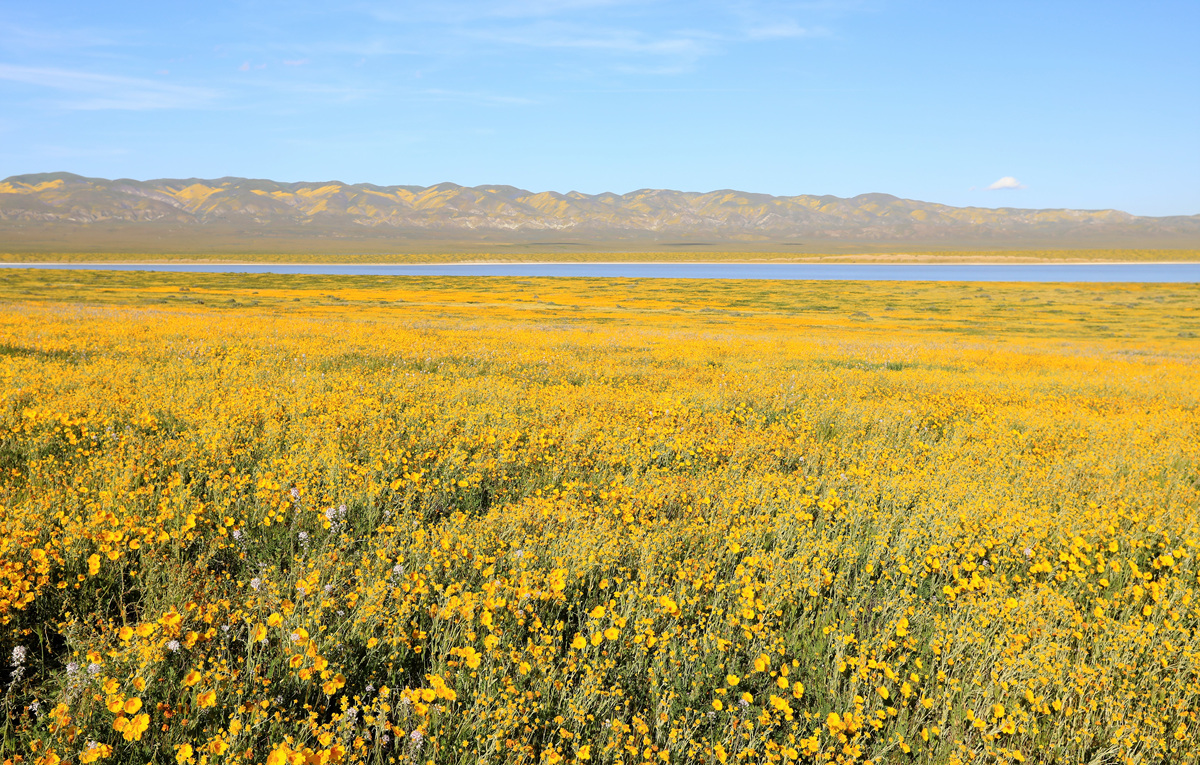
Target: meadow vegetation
point(268, 519)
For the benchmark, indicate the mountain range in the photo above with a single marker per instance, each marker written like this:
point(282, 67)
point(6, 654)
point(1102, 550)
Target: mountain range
point(58, 209)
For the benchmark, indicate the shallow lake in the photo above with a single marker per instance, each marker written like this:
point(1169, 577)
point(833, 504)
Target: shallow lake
point(1052, 272)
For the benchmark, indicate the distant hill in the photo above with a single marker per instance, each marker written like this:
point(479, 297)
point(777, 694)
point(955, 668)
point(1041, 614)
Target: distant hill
point(61, 210)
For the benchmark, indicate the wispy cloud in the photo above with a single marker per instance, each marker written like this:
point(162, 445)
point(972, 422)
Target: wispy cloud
point(295, 62)
point(1007, 182)
point(91, 91)
point(538, 8)
point(375, 46)
point(470, 11)
point(637, 52)
point(484, 98)
point(634, 37)
point(577, 37)
point(278, 93)
point(784, 30)
point(16, 36)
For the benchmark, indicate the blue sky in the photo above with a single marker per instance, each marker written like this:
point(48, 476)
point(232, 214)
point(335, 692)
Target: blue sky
point(1077, 104)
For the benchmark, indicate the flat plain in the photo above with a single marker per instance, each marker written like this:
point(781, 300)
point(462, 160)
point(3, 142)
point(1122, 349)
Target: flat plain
point(301, 519)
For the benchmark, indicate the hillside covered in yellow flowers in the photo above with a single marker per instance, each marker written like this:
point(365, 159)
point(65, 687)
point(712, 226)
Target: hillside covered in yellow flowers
point(63, 212)
point(269, 519)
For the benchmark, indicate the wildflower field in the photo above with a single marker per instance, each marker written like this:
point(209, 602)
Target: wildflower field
point(268, 519)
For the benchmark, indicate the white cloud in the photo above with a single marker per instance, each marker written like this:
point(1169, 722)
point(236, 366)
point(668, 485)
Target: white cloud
point(1007, 182)
point(106, 91)
point(369, 47)
point(468, 11)
point(783, 30)
point(484, 98)
point(535, 8)
point(560, 35)
point(58, 40)
point(626, 32)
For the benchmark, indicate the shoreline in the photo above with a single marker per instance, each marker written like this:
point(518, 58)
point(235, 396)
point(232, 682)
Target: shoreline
point(100, 264)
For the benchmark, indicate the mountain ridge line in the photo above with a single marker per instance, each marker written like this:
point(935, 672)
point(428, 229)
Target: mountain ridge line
point(40, 204)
